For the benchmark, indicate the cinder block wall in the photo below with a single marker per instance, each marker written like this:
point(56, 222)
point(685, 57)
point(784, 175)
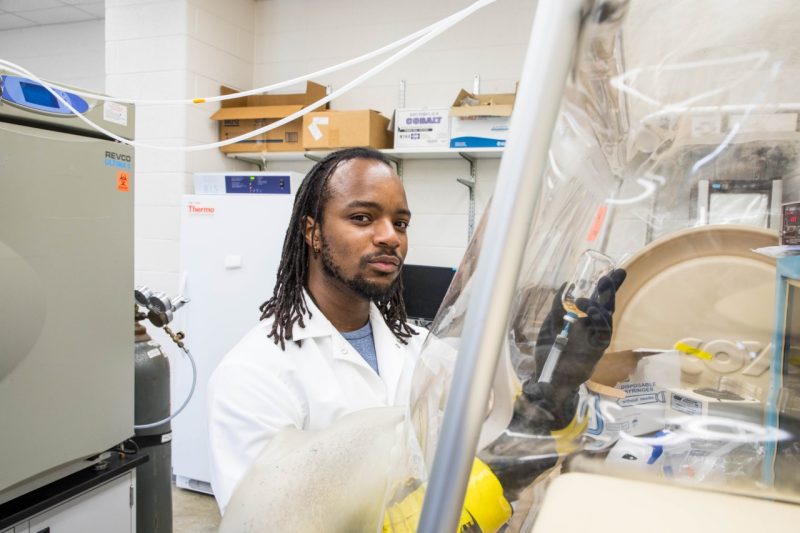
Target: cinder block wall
point(293, 38)
point(169, 50)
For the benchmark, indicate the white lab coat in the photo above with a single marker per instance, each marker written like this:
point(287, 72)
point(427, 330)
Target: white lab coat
point(258, 389)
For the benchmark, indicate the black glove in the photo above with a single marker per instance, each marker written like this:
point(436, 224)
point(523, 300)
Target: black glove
point(588, 336)
point(526, 448)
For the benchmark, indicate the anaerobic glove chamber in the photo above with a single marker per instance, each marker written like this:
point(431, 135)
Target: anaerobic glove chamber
point(674, 149)
point(663, 134)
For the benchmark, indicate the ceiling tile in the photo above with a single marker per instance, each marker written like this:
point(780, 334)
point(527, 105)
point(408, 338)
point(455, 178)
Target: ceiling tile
point(17, 6)
point(11, 22)
point(57, 15)
point(95, 8)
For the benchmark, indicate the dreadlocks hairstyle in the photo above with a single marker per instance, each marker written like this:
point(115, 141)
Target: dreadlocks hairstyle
point(287, 304)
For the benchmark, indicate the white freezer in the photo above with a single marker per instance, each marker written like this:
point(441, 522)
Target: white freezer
point(230, 248)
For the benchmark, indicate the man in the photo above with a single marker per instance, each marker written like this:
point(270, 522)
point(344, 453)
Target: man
point(333, 338)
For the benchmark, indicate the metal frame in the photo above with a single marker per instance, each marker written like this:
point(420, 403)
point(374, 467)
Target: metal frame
point(470, 184)
point(787, 276)
point(554, 38)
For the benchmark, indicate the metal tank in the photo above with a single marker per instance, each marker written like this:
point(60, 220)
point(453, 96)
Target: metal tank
point(152, 404)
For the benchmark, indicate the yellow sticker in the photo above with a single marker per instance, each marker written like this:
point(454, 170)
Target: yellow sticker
point(697, 352)
point(199, 100)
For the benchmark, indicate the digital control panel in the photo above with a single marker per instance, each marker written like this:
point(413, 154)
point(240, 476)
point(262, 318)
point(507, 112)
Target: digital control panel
point(790, 224)
point(267, 182)
point(741, 186)
point(257, 184)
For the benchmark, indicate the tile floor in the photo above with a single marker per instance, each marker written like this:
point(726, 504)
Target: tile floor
point(193, 512)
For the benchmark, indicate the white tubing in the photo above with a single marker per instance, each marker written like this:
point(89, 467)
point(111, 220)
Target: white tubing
point(447, 22)
point(437, 30)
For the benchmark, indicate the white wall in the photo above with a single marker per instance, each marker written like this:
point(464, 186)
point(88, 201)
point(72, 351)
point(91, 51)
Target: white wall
point(297, 37)
point(187, 48)
point(173, 49)
point(70, 54)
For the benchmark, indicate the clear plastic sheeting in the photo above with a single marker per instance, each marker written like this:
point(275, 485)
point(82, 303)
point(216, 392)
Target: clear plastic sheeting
point(675, 148)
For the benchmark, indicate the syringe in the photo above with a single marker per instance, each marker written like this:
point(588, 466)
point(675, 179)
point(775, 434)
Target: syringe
point(592, 265)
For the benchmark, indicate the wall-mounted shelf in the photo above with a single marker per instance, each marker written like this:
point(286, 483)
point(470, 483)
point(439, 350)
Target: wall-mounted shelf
point(398, 156)
point(260, 158)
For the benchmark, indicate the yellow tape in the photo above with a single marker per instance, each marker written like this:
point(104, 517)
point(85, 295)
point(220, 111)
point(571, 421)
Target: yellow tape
point(697, 352)
point(199, 100)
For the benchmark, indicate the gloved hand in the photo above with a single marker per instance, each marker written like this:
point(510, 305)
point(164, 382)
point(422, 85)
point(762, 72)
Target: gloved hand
point(528, 447)
point(588, 336)
point(543, 426)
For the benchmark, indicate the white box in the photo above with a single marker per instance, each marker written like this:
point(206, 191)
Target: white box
point(480, 120)
point(478, 132)
point(641, 411)
point(696, 402)
point(422, 127)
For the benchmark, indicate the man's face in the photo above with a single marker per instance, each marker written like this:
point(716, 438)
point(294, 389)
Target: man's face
point(363, 236)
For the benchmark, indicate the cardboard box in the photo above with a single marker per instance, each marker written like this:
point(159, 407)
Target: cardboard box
point(422, 127)
point(243, 115)
point(344, 129)
point(480, 120)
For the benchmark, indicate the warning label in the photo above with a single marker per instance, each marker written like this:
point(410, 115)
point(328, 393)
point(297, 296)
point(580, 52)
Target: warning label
point(123, 181)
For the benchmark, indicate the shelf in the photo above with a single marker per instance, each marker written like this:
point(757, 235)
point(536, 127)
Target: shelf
point(447, 153)
point(397, 156)
point(259, 158)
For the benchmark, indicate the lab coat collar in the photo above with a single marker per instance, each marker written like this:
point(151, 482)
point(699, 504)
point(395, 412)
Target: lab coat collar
point(389, 349)
point(317, 325)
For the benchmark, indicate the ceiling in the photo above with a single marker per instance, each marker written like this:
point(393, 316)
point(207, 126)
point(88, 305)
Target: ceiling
point(15, 14)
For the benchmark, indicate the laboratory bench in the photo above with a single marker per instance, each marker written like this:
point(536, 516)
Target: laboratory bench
point(91, 499)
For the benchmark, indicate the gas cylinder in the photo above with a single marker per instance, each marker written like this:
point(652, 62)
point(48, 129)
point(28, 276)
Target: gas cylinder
point(152, 404)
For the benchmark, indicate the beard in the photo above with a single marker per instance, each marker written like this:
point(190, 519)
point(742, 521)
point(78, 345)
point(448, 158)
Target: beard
point(359, 285)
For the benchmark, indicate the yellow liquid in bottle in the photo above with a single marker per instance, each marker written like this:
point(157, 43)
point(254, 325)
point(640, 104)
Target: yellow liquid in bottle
point(570, 306)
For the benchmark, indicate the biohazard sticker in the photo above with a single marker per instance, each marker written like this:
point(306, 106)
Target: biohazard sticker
point(123, 181)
